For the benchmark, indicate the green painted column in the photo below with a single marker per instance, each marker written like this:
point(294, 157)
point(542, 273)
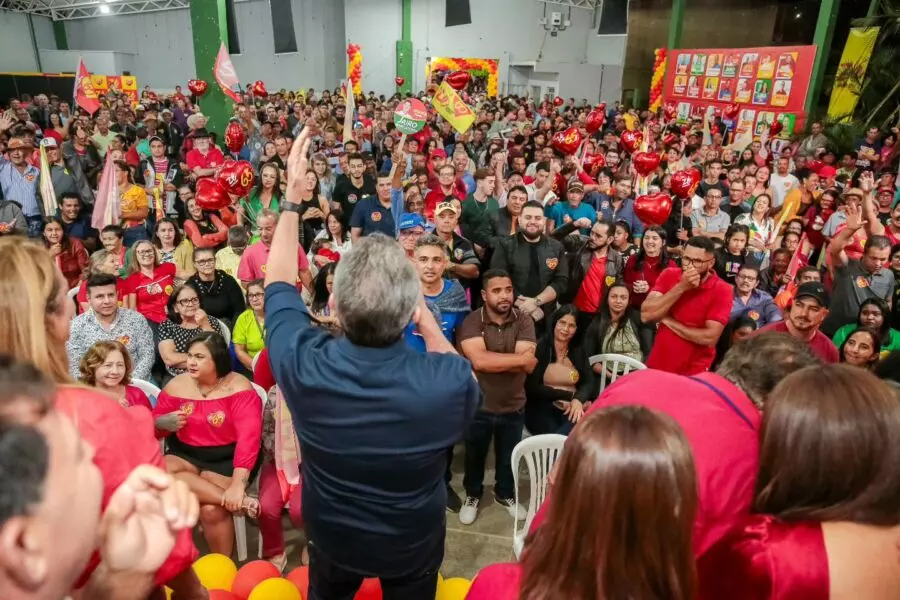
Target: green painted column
point(210, 29)
point(828, 12)
point(59, 34)
point(676, 23)
point(405, 49)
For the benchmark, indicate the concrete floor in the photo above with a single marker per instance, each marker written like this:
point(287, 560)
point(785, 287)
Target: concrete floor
point(469, 548)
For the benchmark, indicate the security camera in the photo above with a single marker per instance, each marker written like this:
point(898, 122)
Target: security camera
point(556, 19)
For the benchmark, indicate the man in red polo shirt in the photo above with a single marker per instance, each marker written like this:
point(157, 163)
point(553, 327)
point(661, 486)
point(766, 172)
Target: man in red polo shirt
point(803, 318)
point(204, 158)
point(692, 306)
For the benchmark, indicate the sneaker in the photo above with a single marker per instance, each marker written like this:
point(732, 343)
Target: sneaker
point(469, 510)
point(454, 503)
point(515, 510)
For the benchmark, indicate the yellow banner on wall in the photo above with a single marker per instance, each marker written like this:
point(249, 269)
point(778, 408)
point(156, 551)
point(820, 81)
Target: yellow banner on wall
point(851, 72)
point(449, 105)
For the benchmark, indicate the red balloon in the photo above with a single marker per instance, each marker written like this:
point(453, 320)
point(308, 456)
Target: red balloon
point(235, 136)
point(458, 79)
point(670, 109)
point(198, 87)
point(399, 81)
point(594, 121)
point(210, 196)
point(259, 89)
point(567, 141)
point(558, 101)
point(669, 139)
point(369, 590)
point(222, 595)
point(732, 110)
point(593, 163)
point(645, 163)
point(684, 183)
point(236, 178)
point(814, 165)
point(300, 578)
point(653, 210)
point(776, 128)
point(601, 107)
point(251, 575)
point(632, 140)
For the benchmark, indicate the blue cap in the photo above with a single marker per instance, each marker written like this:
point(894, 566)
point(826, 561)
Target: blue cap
point(410, 220)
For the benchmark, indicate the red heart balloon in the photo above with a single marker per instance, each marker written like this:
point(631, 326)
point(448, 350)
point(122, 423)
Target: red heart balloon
point(776, 128)
point(259, 89)
point(594, 121)
point(653, 210)
point(670, 109)
point(684, 183)
point(632, 140)
point(814, 165)
point(669, 139)
point(645, 163)
point(399, 81)
point(236, 178)
point(601, 107)
point(458, 79)
point(209, 196)
point(567, 141)
point(558, 101)
point(198, 87)
point(235, 136)
point(593, 163)
point(732, 110)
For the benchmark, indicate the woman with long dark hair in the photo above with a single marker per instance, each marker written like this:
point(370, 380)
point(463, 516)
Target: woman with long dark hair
point(643, 268)
point(68, 253)
point(314, 211)
point(622, 240)
point(861, 348)
point(608, 539)
point(321, 292)
point(874, 313)
point(559, 386)
point(733, 256)
point(204, 229)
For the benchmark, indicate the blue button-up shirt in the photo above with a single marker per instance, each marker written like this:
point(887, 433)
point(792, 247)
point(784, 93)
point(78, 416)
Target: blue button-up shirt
point(604, 205)
point(374, 426)
point(20, 186)
point(760, 307)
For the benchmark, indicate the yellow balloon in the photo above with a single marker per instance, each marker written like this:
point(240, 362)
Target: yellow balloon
point(453, 589)
point(275, 588)
point(215, 571)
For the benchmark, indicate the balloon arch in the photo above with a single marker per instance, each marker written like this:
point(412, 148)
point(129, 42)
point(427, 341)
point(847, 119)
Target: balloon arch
point(477, 67)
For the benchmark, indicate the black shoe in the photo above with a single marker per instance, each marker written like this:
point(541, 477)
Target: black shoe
point(454, 502)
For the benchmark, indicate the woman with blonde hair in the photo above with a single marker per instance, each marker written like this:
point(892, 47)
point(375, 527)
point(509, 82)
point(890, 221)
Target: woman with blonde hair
point(34, 326)
point(624, 530)
point(101, 261)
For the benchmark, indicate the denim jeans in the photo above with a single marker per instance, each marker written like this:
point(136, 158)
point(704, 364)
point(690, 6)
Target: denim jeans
point(134, 234)
point(506, 431)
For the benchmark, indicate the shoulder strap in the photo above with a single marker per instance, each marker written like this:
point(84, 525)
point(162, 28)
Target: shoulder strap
point(727, 401)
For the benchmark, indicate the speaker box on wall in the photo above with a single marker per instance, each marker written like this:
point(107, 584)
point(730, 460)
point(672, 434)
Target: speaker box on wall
point(458, 13)
point(613, 17)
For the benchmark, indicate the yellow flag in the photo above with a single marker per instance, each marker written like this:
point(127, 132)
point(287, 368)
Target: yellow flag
point(851, 71)
point(449, 105)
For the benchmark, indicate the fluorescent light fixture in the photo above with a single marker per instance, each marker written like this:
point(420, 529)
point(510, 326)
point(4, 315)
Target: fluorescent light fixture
point(104, 9)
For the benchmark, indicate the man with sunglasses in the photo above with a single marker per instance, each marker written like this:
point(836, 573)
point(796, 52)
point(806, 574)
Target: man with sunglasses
point(692, 305)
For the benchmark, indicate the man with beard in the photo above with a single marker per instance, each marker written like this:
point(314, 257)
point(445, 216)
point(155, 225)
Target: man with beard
point(750, 301)
point(597, 266)
point(500, 342)
point(803, 318)
point(503, 222)
point(692, 305)
point(536, 263)
point(350, 190)
point(254, 258)
point(77, 224)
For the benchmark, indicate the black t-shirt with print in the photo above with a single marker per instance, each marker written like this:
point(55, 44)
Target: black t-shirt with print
point(348, 195)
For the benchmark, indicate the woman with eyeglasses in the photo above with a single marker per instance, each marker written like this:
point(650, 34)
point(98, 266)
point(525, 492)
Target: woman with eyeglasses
point(249, 334)
point(185, 320)
point(220, 295)
point(149, 283)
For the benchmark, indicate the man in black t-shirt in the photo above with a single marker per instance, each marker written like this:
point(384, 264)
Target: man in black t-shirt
point(712, 179)
point(349, 190)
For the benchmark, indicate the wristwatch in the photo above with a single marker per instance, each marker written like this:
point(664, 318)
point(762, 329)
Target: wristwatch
point(291, 206)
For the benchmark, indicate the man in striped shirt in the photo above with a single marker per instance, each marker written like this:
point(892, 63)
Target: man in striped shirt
point(19, 180)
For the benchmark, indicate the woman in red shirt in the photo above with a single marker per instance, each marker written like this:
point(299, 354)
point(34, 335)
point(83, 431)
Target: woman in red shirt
point(101, 261)
point(107, 366)
point(216, 451)
point(69, 253)
point(642, 268)
point(149, 283)
point(608, 539)
point(825, 523)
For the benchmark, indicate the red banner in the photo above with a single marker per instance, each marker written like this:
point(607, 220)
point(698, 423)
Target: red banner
point(766, 83)
point(84, 93)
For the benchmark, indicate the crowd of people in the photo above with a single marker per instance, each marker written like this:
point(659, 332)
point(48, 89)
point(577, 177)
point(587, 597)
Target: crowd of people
point(365, 278)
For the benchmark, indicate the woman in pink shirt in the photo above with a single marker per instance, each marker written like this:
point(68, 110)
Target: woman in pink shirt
point(624, 529)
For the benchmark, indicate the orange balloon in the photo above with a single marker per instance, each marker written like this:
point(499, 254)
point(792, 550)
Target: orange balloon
point(300, 578)
point(251, 575)
point(222, 595)
point(369, 590)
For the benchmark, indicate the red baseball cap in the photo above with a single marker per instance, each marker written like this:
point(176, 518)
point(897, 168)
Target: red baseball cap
point(827, 171)
point(438, 152)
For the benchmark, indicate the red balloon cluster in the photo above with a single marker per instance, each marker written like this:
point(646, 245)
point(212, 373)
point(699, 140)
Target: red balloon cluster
point(659, 67)
point(234, 178)
point(684, 183)
point(567, 141)
point(235, 136)
point(645, 163)
point(209, 196)
point(558, 101)
point(595, 120)
point(198, 87)
point(259, 89)
point(352, 49)
point(653, 209)
point(632, 140)
point(458, 79)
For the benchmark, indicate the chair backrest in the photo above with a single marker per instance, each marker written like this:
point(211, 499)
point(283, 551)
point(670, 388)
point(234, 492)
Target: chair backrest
point(254, 361)
point(223, 329)
point(148, 388)
point(263, 394)
point(540, 452)
point(612, 364)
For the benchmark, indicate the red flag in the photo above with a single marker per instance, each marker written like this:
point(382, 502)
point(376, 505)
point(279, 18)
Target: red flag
point(226, 76)
point(786, 294)
point(84, 93)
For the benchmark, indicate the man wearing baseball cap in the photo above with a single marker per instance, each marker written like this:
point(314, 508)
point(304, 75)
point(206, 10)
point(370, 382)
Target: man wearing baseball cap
point(411, 228)
point(802, 320)
point(464, 264)
point(66, 173)
point(18, 179)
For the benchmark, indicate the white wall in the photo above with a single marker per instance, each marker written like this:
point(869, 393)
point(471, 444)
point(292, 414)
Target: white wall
point(164, 49)
point(96, 61)
point(16, 49)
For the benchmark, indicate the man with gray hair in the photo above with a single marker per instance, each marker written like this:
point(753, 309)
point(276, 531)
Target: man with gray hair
point(373, 416)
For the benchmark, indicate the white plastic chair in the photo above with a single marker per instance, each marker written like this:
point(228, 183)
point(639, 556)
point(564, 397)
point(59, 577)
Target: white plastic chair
point(240, 521)
point(254, 361)
point(611, 363)
point(72, 294)
point(148, 388)
point(540, 452)
point(223, 330)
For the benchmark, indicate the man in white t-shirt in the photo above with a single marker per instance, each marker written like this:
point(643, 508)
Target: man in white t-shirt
point(782, 181)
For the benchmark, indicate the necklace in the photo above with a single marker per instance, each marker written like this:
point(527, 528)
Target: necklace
point(210, 390)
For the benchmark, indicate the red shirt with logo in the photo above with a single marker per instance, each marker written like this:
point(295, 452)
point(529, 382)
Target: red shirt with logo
point(212, 158)
point(152, 293)
point(591, 291)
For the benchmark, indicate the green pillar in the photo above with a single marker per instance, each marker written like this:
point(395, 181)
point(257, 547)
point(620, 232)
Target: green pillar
point(59, 34)
point(210, 29)
point(676, 21)
point(405, 49)
point(828, 12)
